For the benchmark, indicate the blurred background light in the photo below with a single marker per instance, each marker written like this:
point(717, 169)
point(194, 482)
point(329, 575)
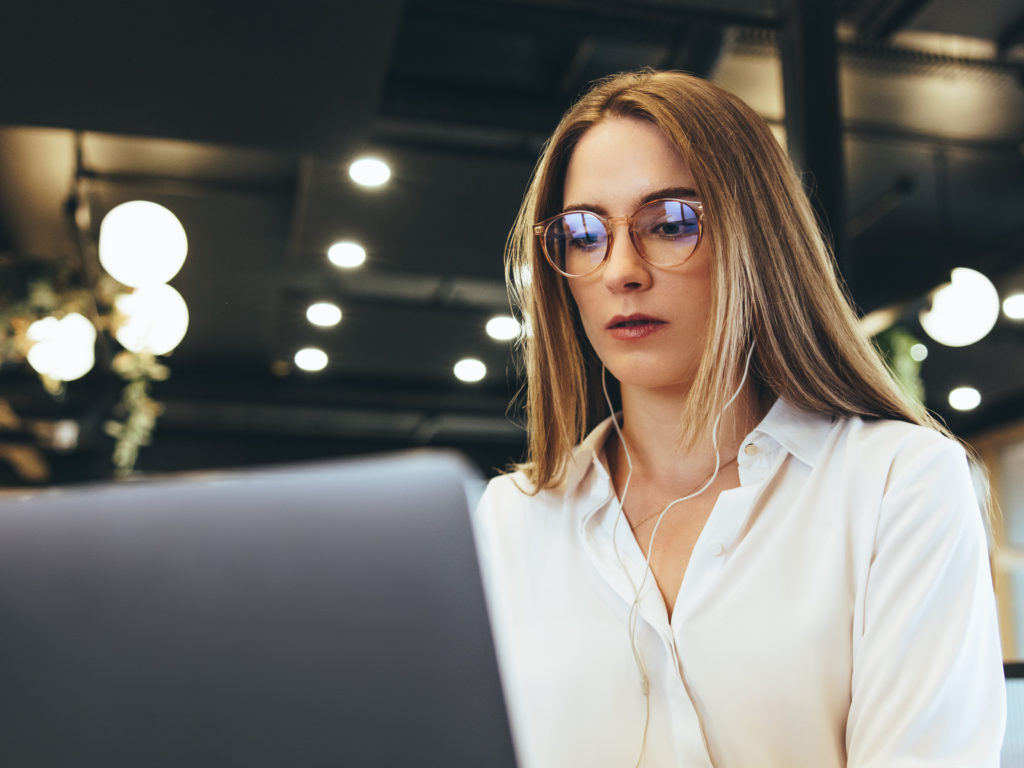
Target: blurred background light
point(324, 314)
point(1013, 306)
point(311, 359)
point(502, 327)
point(65, 435)
point(142, 243)
point(369, 172)
point(963, 310)
point(918, 352)
point(965, 398)
point(470, 369)
point(155, 319)
point(346, 254)
point(64, 349)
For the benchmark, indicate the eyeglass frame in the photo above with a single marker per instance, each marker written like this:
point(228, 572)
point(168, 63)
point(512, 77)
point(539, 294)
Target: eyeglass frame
point(541, 227)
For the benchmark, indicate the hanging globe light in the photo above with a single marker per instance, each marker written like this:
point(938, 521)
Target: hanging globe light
point(156, 318)
point(63, 349)
point(142, 243)
point(963, 310)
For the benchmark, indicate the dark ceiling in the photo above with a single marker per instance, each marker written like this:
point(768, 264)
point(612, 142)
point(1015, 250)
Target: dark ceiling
point(242, 120)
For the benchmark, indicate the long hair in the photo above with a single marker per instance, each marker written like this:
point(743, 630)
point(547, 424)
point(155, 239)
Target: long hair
point(774, 278)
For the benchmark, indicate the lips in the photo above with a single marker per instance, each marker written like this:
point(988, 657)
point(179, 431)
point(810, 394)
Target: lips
point(632, 321)
point(632, 327)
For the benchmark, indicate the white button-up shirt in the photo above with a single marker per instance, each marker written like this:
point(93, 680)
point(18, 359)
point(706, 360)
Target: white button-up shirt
point(837, 610)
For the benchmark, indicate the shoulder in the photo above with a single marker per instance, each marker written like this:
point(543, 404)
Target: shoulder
point(861, 449)
point(507, 488)
point(513, 494)
point(921, 480)
point(865, 463)
point(902, 450)
point(892, 436)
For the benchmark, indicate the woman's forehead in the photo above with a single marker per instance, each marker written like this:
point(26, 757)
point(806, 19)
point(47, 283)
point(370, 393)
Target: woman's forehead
point(619, 163)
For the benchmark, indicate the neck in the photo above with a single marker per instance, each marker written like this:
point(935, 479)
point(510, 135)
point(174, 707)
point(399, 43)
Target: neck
point(650, 424)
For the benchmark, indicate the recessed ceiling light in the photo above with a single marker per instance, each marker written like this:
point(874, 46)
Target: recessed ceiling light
point(346, 254)
point(470, 369)
point(502, 327)
point(918, 352)
point(369, 172)
point(324, 314)
point(311, 359)
point(1013, 306)
point(965, 398)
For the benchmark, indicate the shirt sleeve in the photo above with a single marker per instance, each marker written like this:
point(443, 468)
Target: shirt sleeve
point(927, 686)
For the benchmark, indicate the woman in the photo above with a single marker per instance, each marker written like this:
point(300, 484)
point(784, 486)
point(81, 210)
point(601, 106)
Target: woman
point(770, 557)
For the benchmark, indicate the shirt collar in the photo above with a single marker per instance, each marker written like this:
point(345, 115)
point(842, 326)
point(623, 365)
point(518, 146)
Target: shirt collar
point(801, 433)
point(586, 455)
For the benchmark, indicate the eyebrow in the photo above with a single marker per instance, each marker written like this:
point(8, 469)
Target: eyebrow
point(686, 193)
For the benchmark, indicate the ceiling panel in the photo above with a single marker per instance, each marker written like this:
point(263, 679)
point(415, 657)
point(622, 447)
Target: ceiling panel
point(441, 213)
point(232, 72)
point(242, 121)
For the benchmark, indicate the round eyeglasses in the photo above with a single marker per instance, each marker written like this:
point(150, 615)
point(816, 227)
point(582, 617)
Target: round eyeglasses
point(664, 232)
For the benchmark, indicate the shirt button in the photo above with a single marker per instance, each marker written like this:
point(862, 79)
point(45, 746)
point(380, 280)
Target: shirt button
point(751, 449)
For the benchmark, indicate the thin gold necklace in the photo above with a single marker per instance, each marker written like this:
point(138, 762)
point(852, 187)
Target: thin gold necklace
point(688, 493)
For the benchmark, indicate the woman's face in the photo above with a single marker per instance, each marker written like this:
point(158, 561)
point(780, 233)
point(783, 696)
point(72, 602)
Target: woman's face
point(617, 166)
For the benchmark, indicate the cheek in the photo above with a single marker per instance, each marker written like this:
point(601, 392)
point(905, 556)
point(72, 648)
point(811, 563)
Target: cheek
point(582, 298)
point(584, 308)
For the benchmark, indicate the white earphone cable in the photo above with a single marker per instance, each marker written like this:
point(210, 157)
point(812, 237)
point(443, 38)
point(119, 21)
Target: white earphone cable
point(634, 610)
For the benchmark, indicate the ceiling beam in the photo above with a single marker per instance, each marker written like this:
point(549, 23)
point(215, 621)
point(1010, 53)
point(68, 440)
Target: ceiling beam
point(878, 19)
point(698, 49)
point(810, 77)
point(199, 70)
point(1011, 36)
point(419, 427)
point(638, 19)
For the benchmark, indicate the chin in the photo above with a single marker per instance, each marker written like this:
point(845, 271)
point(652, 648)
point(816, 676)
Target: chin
point(639, 376)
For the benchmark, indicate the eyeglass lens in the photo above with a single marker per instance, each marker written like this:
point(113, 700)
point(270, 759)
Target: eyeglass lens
point(665, 232)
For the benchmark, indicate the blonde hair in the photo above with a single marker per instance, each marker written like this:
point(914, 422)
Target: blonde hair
point(774, 278)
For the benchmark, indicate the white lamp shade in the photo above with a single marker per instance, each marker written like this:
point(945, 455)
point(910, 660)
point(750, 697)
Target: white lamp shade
point(963, 310)
point(64, 349)
point(142, 243)
point(156, 318)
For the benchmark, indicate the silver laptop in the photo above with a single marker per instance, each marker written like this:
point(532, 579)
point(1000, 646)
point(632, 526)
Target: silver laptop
point(319, 615)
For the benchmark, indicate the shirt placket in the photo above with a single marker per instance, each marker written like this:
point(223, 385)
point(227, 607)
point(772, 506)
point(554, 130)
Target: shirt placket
point(598, 531)
point(759, 459)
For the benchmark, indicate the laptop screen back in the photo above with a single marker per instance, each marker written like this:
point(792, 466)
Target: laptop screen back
point(1013, 742)
point(325, 615)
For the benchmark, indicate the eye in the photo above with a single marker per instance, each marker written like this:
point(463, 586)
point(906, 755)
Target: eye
point(582, 232)
point(669, 220)
point(586, 240)
point(674, 229)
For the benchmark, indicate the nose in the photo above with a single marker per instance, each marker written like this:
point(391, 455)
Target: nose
point(625, 269)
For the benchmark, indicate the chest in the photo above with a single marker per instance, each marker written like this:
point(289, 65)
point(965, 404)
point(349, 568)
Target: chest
point(670, 543)
point(766, 625)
